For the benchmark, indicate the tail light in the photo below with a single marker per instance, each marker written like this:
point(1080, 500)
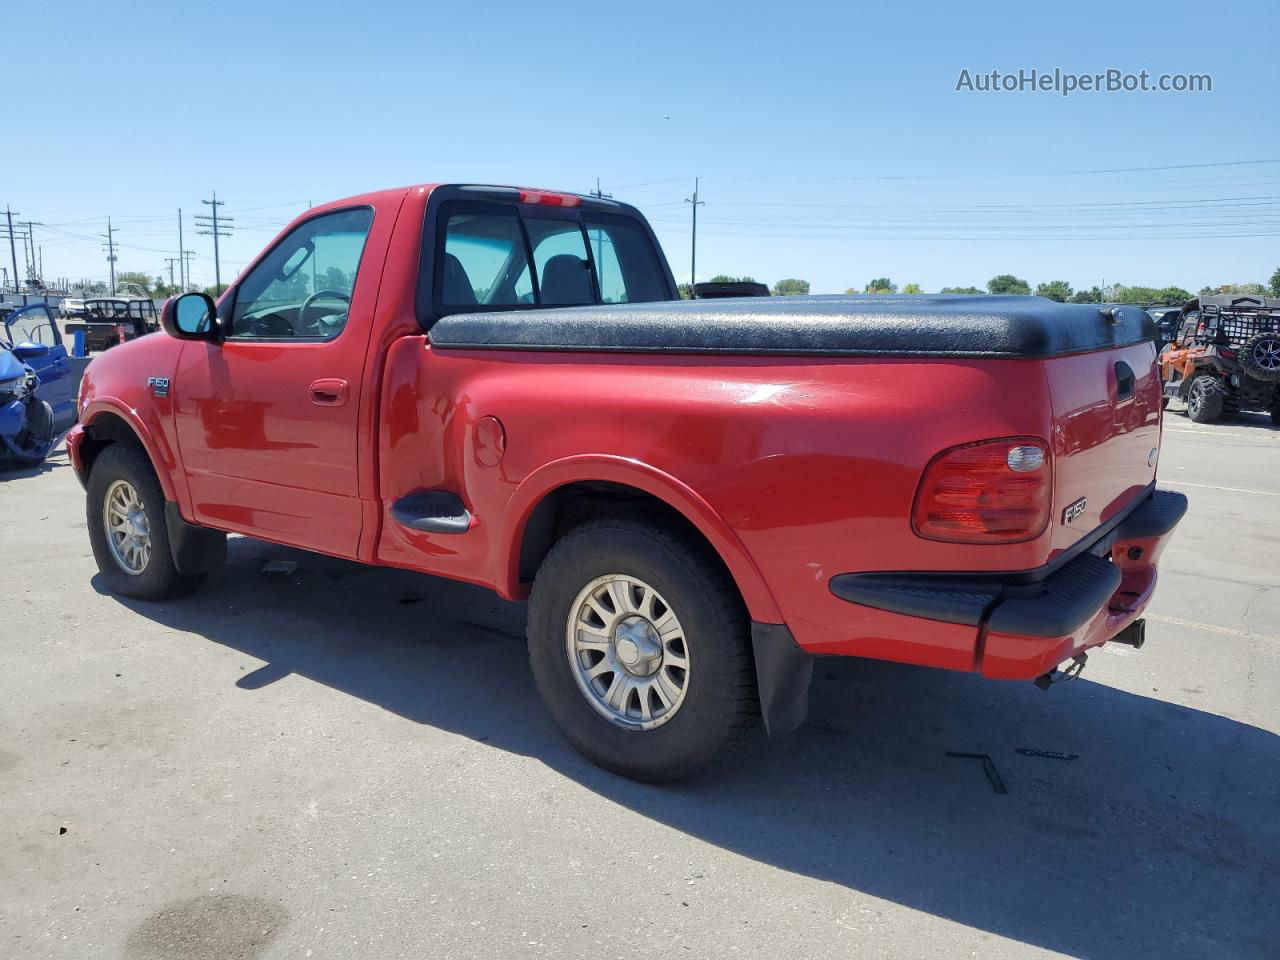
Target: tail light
point(1228, 354)
point(549, 198)
point(119, 333)
point(994, 491)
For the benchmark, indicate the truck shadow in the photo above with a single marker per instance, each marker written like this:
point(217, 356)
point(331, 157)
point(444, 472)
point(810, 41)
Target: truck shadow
point(1160, 840)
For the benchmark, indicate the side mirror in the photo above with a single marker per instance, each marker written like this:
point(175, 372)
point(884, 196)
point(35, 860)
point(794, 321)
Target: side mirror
point(191, 316)
point(30, 351)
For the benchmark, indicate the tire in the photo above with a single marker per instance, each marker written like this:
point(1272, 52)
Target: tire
point(1205, 398)
point(1260, 357)
point(35, 439)
point(1275, 415)
point(717, 700)
point(119, 469)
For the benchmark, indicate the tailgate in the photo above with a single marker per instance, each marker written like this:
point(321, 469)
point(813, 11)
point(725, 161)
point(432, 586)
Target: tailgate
point(1106, 424)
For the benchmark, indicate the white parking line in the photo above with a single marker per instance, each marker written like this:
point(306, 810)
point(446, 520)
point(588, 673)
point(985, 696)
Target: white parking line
point(1212, 628)
point(1210, 486)
point(1260, 438)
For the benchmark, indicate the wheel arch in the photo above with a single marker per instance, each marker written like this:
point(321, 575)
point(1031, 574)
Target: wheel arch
point(106, 423)
point(561, 492)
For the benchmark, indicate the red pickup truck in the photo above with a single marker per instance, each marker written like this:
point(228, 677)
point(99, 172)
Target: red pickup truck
point(501, 386)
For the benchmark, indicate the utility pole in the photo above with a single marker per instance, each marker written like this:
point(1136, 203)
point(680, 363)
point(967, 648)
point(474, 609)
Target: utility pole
point(182, 261)
point(186, 263)
point(600, 195)
point(13, 252)
point(31, 242)
point(214, 226)
point(171, 261)
point(111, 254)
point(693, 247)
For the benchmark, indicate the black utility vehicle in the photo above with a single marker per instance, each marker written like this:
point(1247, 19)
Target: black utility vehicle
point(1226, 357)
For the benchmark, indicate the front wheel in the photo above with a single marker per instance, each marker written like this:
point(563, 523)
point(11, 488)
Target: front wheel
point(127, 530)
point(640, 647)
point(1205, 398)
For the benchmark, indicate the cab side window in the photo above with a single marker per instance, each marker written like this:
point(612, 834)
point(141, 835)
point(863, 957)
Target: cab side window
point(302, 289)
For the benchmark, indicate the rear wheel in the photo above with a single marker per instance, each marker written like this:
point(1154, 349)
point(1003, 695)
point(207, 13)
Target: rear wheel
point(1205, 398)
point(127, 530)
point(640, 647)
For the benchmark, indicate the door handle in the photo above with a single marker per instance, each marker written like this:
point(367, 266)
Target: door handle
point(329, 392)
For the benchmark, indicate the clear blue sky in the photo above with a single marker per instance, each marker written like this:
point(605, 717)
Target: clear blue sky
point(829, 137)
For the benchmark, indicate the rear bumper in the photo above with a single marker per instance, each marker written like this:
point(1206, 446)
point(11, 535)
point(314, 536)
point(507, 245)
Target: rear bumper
point(1027, 622)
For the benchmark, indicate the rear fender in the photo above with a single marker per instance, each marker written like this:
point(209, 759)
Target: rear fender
point(587, 468)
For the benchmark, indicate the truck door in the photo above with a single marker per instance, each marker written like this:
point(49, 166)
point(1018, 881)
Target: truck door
point(267, 419)
point(29, 330)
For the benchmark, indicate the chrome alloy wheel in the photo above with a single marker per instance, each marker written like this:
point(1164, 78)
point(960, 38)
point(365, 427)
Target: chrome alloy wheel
point(627, 652)
point(1266, 353)
point(1196, 399)
point(128, 529)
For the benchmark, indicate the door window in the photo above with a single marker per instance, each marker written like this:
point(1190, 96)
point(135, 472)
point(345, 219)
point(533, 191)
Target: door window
point(32, 325)
point(302, 289)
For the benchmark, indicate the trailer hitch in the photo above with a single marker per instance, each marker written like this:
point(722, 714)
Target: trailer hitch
point(1046, 680)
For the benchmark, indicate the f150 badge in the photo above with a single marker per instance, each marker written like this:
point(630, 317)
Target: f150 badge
point(1073, 510)
point(159, 386)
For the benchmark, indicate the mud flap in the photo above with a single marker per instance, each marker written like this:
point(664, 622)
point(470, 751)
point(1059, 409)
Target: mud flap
point(195, 549)
point(783, 672)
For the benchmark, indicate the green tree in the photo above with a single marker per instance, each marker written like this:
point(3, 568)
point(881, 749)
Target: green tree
point(962, 290)
point(725, 278)
point(791, 287)
point(912, 288)
point(1092, 295)
point(131, 278)
point(1008, 283)
point(213, 291)
point(686, 291)
point(1172, 294)
point(1275, 283)
point(161, 290)
point(1058, 290)
point(881, 285)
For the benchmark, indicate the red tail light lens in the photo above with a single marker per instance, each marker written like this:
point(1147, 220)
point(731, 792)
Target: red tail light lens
point(548, 198)
point(995, 491)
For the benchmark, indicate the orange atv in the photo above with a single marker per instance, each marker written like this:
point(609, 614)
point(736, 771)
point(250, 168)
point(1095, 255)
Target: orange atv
point(1225, 357)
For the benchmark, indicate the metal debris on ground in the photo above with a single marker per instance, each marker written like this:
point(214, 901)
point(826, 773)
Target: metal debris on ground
point(279, 568)
point(988, 766)
point(1049, 754)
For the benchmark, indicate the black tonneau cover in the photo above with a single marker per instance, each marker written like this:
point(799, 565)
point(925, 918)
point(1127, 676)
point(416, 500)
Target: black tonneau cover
point(930, 326)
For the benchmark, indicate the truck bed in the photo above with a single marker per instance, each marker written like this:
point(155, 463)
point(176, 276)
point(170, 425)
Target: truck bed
point(917, 326)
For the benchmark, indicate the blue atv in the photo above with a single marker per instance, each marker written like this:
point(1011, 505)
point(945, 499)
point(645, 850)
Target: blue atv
point(33, 360)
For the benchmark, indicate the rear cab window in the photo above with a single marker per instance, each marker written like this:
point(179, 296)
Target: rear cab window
point(505, 255)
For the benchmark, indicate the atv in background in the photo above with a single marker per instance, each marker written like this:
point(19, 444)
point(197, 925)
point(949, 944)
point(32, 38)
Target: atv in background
point(1226, 357)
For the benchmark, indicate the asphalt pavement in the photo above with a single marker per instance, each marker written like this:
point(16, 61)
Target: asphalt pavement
point(340, 761)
